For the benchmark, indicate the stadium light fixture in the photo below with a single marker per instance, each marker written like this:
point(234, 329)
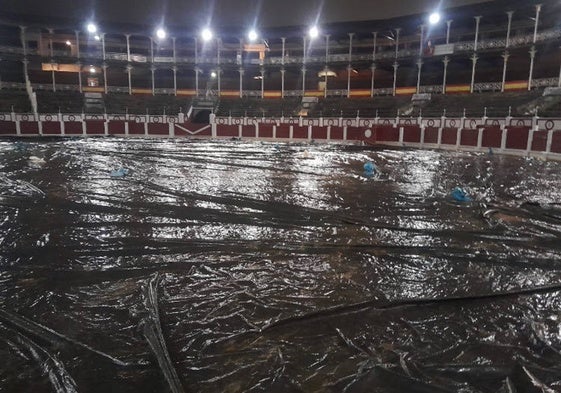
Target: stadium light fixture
point(68, 43)
point(252, 35)
point(206, 34)
point(97, 37)
point(314, 32)
point(434, 18)
point(92, 28)
point(92, 70)
point(213, 74)
point(161, 33)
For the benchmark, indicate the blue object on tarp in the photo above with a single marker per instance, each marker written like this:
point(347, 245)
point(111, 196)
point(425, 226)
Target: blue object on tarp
point(121, 172)
point(370, 169)
point(20, 146)
point(460, 195)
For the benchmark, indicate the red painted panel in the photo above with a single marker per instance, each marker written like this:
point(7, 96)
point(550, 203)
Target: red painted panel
point(265, 130)
point(7, 127)
point(158, 129)
point(248, 131)
point(319, 132)
point(51, 128)
point(300, 132)
point(468, 137)
point(283, 131)
point(136, 128)
point(556, 142)
point(116, 127)
point(73, 127)
point(29, 127)
point(387, 134)
point(539, 143)
point(492, 137)
point(336, 132)
point(96, 127)
point(517, 138)
point(227, 130)
point(431, 135)
point(412, 134)
point(449, 136)
point(355, 133)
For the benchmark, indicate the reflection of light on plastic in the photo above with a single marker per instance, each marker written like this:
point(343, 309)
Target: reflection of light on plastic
point(434, 18)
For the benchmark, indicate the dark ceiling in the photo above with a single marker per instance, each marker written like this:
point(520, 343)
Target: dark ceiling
point(192, 14)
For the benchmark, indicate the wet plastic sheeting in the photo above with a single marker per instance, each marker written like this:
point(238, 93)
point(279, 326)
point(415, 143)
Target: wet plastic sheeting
point(249, 267)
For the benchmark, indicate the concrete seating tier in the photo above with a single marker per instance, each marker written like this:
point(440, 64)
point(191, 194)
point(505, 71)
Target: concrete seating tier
point(257, 107)
point(142, 104)
point(59, 101)
point(386, 106)
point(18, 100)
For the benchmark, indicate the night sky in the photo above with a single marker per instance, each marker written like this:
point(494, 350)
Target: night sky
point(192, 14)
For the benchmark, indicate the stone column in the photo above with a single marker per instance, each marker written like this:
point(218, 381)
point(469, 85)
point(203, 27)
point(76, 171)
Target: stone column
point(325, 70)
point(174, 50)
point(326, 49)
point(283, 39)
point(532, 52)
point(262, 83)
point(80, 77)
point(421, 40)
point(153, 70)
point(448, 24)
point(419, 66)
point(303, 80)
point(241, 71)
point(23, 40)
point(77, 35)
point(397, 41)
point(51, 32)
point(538, 9)
point(505, 57)
point(102, 35)
point(374, 38)
point(25, 69)
point(349, 70)
point(395, 67)
point(446, 60)
point(197, 71)
point(53, 74)
point(218, 80)
point(283, 71)
point(174, 69)
point(196, 51)
point(509, 15)
point(128, 36)
point(129, 70)
point(373, 71)
point(473, 62)
point(151, 50)
point(477, 20)
point(105, 89)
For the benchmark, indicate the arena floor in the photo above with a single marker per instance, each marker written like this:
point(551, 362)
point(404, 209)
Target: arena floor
point(253, 267)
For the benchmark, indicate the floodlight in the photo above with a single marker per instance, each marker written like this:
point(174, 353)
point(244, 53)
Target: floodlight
point(252, 35)
point(314, 32)
point(434, 18)
point(206, 34)
point(161, 34)
point(92, 28)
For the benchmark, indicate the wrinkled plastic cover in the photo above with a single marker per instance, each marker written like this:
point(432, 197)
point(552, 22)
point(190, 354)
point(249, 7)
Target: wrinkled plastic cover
point(255, 267)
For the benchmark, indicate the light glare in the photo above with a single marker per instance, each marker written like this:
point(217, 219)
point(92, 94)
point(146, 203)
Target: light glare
point(161, 34)
point(252, 35)
point(91, 28)
point(92, 70)
point(206, 34)
point(434, 18)
point(314, 32)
